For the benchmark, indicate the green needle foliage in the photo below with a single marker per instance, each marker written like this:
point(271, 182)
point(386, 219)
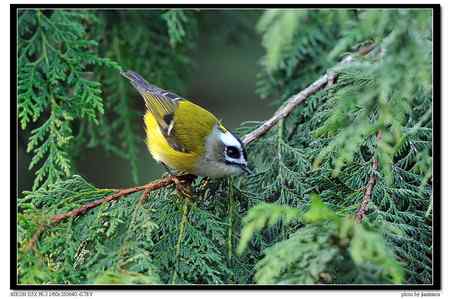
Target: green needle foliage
point(293, 221)
point(68, 65)
point(55, 56)
point(328, 248)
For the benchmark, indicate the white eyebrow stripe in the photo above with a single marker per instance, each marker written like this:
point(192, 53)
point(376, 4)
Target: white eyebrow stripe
point(229, 140)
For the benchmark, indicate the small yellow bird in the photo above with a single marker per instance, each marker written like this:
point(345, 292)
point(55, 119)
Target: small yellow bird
point(185, 137)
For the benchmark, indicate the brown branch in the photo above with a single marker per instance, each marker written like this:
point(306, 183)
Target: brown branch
point(369, 188)
point(155, 185)
point(144, 196)
point(123, 192)
point(366, 49)
point(326, 80)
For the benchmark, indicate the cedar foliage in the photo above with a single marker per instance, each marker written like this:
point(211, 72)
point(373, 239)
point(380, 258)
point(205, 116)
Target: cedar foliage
point(290, 223)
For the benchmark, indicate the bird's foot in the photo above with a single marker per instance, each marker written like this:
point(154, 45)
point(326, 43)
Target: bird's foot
point(183, 187)
point(204, 183)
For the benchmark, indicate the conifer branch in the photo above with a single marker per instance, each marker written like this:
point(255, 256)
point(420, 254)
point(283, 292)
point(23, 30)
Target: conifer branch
point(370, 185)
point(147, 188)
point(326, 80)
point(155, 185)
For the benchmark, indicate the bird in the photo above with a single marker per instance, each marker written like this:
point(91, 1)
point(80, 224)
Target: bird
point(186, 137)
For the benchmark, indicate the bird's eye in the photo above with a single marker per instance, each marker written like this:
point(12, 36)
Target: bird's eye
point(232, 152)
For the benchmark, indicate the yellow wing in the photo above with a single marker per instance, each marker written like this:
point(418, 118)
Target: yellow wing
point(162, 151)
point(192, 125)
point(184, 124)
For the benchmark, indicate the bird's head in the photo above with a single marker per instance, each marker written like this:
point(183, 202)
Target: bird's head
point(225, 154)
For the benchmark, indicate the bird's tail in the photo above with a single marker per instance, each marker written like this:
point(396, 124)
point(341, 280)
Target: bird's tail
point(144, 87)
point(139, 83)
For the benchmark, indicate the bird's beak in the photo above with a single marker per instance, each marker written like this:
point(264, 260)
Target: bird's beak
point(246, 170)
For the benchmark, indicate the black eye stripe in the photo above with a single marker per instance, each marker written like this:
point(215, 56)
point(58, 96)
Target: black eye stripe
point(242, 145)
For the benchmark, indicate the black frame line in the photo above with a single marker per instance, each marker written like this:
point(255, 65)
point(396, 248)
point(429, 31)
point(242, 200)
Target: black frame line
point(436, 118)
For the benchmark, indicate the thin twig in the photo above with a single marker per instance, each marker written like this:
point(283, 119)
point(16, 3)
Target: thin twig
point(144, 196)
point(32, 243)
point(369, 188)
point(325, 81)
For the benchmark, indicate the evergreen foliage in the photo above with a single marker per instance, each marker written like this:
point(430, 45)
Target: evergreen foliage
point(329, 247)
point(293, 222)
point(55, 52)
point(59, 90)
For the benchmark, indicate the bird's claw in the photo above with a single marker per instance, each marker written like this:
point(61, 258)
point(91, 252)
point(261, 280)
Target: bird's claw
point(182, 188)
